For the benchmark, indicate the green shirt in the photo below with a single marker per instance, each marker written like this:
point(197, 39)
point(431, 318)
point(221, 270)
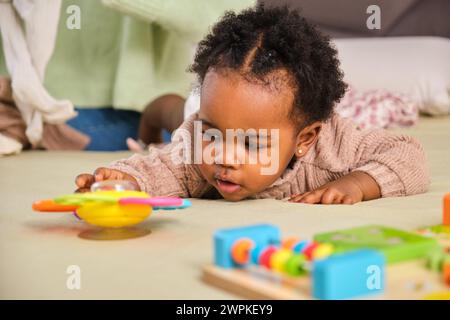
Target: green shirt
point(127, 60)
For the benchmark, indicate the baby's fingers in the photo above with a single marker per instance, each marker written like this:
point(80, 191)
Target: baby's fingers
point(312, 197)
point(308, 197)
point(347, 200)
point(297, 197)
point(102, 174)
point(84, 180)
point(331, 196)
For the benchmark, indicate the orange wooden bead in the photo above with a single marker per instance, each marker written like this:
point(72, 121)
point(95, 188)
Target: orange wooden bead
point(446, 210)
point(446, 270)
point(288, 243)
point(240, 251)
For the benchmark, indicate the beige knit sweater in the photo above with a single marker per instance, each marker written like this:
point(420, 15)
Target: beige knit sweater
point(396, 162)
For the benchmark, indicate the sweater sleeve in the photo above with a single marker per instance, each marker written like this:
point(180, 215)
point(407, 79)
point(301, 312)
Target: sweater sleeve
point(155, 173)
point(167, 171)
point(189, 18)
point(396, 162)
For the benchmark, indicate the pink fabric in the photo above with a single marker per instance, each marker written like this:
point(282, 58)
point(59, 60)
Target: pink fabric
point(378, 109)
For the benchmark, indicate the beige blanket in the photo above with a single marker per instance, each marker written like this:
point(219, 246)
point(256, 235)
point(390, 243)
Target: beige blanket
point(37, 249)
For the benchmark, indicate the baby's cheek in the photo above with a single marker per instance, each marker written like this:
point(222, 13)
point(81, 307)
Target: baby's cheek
point(206, 170)
point(257, 180)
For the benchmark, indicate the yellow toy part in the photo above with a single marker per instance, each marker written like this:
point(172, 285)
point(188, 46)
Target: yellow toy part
point(438, 296)
point(114, 214)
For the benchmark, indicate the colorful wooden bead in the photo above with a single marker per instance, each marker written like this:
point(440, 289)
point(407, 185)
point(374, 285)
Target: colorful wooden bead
point(322, 251)
point(446, 272)
point(299, 246)
point(240, 251)
point(295, 265)
point(308, 250)
point(264, 258)
point(289, 243)
point(279, 258)
point(446, 210)
point(262, 234)
point(435, 259)
point(255, 254)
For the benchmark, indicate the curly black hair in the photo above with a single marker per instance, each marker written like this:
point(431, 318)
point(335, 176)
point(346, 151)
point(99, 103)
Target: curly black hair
point(264, 40)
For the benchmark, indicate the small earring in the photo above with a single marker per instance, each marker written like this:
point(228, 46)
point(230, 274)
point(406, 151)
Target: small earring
point(300, 150)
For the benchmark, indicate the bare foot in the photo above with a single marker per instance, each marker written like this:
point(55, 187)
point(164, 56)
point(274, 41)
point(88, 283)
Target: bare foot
point(136, 146)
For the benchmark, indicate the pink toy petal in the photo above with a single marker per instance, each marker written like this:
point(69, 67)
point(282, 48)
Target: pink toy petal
point(154, 202)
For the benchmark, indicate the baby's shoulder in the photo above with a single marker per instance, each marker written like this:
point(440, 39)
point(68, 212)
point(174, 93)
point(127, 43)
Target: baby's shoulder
point(337, 125)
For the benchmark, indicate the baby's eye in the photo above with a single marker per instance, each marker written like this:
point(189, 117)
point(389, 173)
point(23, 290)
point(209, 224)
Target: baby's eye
point(253, 143)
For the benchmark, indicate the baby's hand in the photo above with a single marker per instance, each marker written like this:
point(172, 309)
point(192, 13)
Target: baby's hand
point(354, 187)
point(84, 181)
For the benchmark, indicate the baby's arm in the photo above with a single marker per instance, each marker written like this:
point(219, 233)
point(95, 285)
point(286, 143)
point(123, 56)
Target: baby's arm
point(161, 172)
point(353, 187)
point(84, 181)
point(154, 173)
point(372, 164)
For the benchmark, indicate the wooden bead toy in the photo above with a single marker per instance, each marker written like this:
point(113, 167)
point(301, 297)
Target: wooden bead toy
point(279, 258)
point(295, 265)
point(446, 210)
point(341, 264)
point(262, 235)
point(290, 242)
point(240, 251)
point(309, 249)
point(299, 246)
point(265, 257)
point(322, 251)
point(446, 272)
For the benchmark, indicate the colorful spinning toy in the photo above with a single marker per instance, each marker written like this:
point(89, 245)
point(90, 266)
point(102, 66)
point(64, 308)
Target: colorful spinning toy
point(111, 204)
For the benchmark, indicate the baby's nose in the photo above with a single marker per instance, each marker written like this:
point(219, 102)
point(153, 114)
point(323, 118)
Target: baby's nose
point(232, 155)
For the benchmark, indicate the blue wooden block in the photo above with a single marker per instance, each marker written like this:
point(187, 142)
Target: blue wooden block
point(348, 275)
point(262, 234)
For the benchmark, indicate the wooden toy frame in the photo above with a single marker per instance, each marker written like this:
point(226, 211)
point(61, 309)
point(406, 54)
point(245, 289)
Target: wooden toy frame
point(406, 280)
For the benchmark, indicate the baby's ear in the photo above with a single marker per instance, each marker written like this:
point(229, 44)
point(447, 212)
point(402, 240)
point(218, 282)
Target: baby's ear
point(307, 137)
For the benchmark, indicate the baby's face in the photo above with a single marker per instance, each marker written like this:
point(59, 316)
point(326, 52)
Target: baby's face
point(239, 169)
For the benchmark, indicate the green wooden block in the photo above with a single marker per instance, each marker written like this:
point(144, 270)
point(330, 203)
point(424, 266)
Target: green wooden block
point(437, 258)
point(439, 229)
point(397, 245)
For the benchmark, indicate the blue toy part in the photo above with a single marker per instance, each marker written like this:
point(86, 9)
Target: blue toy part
point(298, 248)
point(254, 254)
point(348, 275)
point(186, 204)
point(262, 234)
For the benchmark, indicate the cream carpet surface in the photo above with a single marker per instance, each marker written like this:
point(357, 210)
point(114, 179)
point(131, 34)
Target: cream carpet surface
point(36, 250)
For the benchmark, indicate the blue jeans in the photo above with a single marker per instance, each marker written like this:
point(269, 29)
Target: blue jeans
point(108, 128)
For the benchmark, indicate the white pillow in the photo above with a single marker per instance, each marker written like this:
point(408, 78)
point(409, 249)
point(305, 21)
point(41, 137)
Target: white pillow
point(417, 66)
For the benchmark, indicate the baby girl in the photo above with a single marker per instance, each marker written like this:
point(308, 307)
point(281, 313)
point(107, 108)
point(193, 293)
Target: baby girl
point(271, 75)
